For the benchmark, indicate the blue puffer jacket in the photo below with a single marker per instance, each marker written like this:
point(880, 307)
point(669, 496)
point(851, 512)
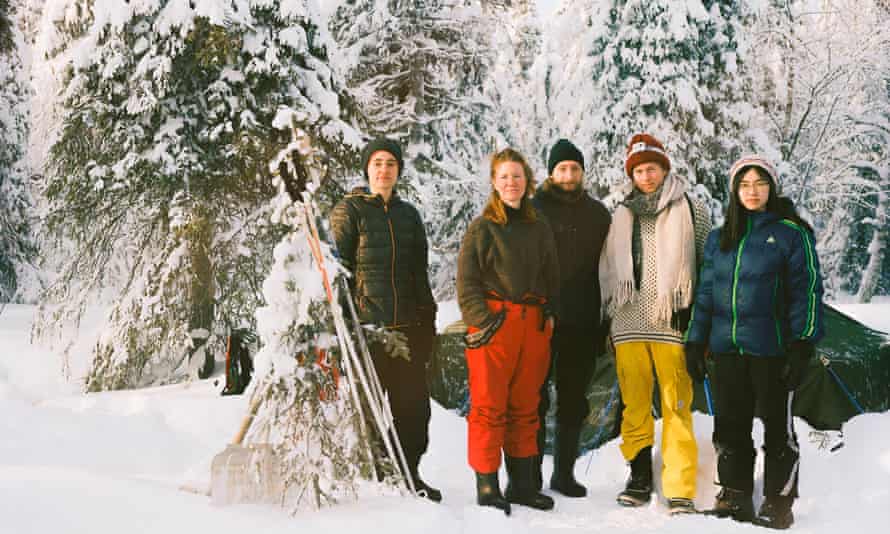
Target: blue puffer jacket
point(761, 295)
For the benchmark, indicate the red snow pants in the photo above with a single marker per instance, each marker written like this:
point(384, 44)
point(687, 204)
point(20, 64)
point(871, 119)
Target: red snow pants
point(505, 378)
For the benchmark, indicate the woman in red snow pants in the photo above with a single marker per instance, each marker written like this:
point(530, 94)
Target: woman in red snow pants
point(507, 283)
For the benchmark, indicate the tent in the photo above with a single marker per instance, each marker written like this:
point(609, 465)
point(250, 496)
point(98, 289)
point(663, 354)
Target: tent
point(850, 375)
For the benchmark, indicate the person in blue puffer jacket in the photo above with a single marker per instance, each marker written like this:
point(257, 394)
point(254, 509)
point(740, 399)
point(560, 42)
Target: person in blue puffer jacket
point(758, 312)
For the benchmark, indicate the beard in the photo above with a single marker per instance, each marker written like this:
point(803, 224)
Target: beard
point(568, 187)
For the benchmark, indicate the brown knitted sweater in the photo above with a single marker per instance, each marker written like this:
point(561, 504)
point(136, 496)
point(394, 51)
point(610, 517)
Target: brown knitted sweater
point(514, 260)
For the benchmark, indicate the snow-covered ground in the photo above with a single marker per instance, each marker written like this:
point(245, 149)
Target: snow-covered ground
point(118, 462)
point(875, 315)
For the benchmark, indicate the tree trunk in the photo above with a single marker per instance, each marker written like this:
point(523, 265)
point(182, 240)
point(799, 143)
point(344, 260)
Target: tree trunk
point(876, 248)
point(199, 235)
point(787, 108)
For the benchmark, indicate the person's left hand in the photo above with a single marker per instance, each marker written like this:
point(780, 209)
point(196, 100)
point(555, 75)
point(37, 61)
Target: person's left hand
point(800, 353)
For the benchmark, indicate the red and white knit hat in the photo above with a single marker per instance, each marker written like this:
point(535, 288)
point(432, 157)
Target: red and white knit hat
point(643, 148)
point(755, 160)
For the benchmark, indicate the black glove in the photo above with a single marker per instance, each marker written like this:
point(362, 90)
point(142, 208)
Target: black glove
point(695, 361)
point(799, 354)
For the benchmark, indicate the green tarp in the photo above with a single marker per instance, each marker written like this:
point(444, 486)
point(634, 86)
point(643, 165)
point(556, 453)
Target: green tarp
point(858, 356)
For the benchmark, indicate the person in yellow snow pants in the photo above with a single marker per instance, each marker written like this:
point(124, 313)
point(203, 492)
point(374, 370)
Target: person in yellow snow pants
point(648, 274)
point(635, 363)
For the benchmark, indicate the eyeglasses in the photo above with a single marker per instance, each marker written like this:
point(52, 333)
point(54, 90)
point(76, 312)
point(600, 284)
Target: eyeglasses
point(750, 186)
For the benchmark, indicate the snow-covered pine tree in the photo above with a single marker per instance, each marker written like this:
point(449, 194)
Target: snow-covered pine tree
point(674, 69)
point(157, 179)
point(16, 244)
point(310, 413)
point(873, 127)
point(417, 71)
point(514, 79)
point(573, 42)
point(820, 72)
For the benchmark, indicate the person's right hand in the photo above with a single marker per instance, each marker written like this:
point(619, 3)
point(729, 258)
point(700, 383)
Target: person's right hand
point(695, 361)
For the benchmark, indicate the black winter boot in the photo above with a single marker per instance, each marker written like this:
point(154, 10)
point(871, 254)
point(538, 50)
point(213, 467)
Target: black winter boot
point(775, 512)
point(565, 452)
point(733, 503)
point(521, 483)
point(638, 490)
point(681, 505)
point(488, 492)
point(425, 490)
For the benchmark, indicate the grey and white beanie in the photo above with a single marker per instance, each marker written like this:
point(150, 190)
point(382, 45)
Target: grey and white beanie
point(755, 160)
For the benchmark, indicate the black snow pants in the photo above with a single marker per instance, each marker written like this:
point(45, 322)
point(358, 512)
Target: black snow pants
point(409, 396)
point(745, 386)
point(573, 352)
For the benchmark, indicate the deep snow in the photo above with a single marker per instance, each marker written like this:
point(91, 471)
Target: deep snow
point(133, 461)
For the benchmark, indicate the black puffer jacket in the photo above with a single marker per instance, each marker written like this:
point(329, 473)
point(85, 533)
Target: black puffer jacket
point(579, 225)
point(385, 247)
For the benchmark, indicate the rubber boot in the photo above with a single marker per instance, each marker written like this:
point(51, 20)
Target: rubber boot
point(565, 452)
point(638, 490)
point(488, 492)
point(541, 436)
point(521, 484)
point(539, 472)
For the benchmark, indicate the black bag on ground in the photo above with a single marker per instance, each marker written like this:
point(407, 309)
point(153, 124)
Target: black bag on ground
point(239, 365)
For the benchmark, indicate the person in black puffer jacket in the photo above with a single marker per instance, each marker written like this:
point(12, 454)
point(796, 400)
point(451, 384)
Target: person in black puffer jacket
point(580, 224)
point(381, 240)
point(758, 308)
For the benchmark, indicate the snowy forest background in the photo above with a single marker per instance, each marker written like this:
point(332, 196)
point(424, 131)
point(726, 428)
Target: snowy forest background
point(136, 136)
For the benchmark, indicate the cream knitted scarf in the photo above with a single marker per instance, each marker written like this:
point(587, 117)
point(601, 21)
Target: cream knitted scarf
point(675, 259)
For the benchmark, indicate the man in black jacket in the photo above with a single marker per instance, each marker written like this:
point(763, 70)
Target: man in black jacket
point(381, 240)
point(580, 225)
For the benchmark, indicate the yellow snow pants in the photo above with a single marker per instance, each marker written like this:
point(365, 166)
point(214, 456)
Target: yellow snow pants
point(635, 363)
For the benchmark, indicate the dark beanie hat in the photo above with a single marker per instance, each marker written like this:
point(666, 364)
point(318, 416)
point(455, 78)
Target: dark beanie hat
point(643, 148)
point(387, 145)
point(563, 150)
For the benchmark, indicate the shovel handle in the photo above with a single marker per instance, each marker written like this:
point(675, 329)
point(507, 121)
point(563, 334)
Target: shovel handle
point(248, 419)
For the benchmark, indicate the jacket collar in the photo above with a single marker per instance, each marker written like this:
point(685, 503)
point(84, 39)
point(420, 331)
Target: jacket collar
point(549, 190)
point(762, 218)
point(366, 195)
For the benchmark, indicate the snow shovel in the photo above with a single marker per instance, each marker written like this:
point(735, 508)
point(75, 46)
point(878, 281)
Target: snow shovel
point(246, 474)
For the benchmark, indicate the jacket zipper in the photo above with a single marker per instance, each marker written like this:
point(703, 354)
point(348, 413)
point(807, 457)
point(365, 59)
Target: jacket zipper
point(735, 286)
point(392, 276)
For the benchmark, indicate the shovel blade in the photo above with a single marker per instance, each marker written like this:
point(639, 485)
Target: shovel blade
point(245, 475)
